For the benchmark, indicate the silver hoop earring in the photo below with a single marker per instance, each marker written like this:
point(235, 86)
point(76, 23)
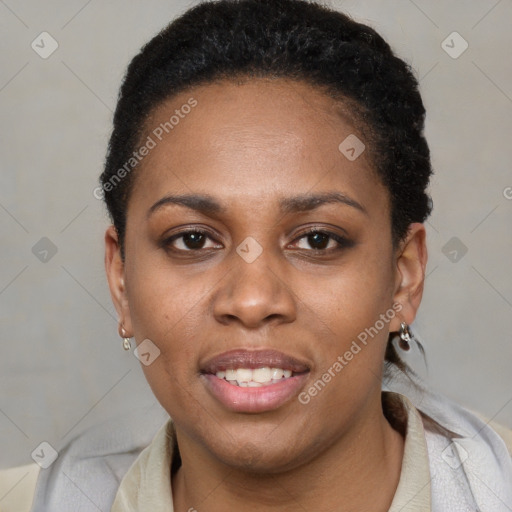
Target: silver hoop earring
point(405, 337)
point(127, 344)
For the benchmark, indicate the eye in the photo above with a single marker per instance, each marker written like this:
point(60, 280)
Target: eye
point(194, 240)
point(323, 241)
point(188, 241)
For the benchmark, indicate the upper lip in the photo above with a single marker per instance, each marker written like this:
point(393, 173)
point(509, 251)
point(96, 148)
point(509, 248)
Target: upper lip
point(253, 359)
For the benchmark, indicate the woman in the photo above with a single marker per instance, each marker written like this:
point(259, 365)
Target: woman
point(266, 179)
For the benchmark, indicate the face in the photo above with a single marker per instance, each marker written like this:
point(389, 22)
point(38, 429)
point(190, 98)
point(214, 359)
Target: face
point(256, 251)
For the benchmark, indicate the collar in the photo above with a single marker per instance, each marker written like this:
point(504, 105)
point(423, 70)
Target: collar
point(413, 491)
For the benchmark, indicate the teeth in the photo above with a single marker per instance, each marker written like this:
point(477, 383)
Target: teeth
point(230, 375)
point(262, 375)
point(277, 373)
point(244, 375)
point(247, 378)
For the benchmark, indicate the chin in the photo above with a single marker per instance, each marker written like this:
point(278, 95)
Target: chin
point(260, 456)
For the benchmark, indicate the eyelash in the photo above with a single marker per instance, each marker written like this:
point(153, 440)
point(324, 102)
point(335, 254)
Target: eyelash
point(343, 243)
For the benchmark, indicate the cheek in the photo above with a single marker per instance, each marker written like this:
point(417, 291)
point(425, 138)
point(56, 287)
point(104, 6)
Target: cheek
point(356, 292)
point(167, 307)
point(170, 317)
point(160, 296)
point(357, 296)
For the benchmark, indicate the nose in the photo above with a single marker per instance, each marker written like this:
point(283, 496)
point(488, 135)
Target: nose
point(254, 294)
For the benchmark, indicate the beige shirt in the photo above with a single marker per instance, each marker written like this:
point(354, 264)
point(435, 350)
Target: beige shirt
point(146, 486)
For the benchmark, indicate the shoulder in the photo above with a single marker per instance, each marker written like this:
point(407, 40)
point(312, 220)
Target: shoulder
point(504, 432)
point(470, 463)
point(17, 486)
point(90, 467)
point(470, 468)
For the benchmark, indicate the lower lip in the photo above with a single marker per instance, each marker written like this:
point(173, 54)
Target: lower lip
point(254, 400)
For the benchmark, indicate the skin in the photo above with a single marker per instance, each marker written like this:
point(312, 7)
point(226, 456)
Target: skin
point(249, 146)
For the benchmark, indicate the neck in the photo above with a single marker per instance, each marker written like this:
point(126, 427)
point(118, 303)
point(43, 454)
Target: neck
point(359, 472)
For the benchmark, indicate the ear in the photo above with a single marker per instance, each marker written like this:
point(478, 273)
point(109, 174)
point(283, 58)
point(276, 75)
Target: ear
point(114, 267)
point(411, 262)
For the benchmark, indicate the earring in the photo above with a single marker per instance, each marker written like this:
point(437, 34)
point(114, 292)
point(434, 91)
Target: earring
point(127, 344)
point(405, 337)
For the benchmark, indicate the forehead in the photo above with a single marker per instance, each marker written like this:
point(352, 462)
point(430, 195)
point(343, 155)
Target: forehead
point(253, 140)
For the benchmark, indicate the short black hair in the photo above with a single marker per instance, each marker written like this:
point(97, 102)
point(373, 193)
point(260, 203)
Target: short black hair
point(294, 39)
point(297, 39)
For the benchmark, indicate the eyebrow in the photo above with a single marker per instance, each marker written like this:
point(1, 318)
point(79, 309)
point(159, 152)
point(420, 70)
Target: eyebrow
point(207, 205)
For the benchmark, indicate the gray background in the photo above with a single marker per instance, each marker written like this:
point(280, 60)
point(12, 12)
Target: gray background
point(62, 366)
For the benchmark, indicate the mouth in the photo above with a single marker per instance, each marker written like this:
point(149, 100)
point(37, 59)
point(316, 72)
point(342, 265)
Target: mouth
point(254, 381)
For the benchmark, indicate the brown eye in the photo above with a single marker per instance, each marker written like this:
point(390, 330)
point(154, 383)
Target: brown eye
point(188, 241)
point(318, 241)
point(325, 241)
